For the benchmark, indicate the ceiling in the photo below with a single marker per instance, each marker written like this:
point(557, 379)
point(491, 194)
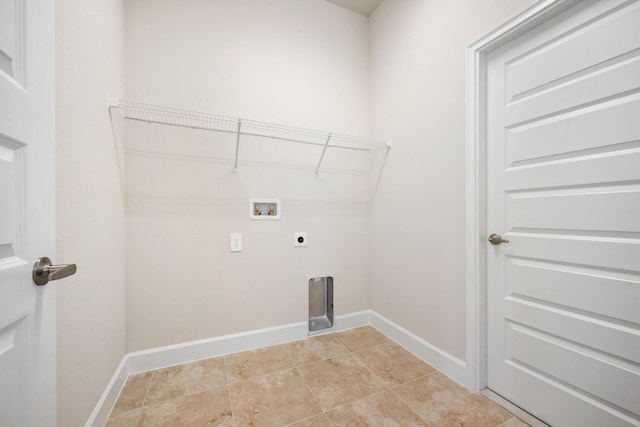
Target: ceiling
point(363, 7)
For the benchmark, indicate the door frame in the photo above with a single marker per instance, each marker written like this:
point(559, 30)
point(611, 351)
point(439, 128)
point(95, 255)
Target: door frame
point(476, 178)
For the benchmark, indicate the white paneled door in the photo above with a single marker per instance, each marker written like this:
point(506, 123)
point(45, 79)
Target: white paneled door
point(563, 187)
point(27, 311)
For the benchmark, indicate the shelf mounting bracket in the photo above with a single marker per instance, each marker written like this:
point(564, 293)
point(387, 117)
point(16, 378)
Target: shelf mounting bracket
point(235, 163)
point(324, 150)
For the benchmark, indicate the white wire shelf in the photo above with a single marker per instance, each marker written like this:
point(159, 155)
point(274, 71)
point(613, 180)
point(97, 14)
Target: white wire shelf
point(213, 122)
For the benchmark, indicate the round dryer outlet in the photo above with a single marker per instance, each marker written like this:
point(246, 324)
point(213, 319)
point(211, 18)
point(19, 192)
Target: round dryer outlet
point(299, 240)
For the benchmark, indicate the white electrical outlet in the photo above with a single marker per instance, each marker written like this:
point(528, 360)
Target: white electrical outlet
point(299, 240)
point(235, 242)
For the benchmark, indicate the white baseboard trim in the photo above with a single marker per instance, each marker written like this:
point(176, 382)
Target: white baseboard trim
point(109, 397)
point(162, 357)
point(449, 365)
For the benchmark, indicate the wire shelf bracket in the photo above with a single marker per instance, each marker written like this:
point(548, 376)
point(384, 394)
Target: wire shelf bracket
point(235, 162)
point(213, 122)
point(324, 150)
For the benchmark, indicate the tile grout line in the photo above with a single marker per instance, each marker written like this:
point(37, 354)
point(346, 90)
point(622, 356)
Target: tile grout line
point(308, 388)
point(510, 419)
point(392, 387)
point(392, 390)
point(357, 400)
point(159, 402)
point(265, 373)
point(334, 357)
point(369, 369)
point(357, 359)
point(226, 376)
point(361, 362)
point(146, 393)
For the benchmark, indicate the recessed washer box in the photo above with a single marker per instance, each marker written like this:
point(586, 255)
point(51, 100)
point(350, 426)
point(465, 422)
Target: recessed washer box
point(265, 209)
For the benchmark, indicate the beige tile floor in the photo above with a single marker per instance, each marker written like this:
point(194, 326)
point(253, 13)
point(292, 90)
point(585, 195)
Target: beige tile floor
point(352, 378)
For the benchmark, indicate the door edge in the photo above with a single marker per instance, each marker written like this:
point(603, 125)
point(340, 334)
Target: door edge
point(475, 180)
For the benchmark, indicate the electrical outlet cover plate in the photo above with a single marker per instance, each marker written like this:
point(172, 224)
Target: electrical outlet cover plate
point(235, 242)
point(299, 240)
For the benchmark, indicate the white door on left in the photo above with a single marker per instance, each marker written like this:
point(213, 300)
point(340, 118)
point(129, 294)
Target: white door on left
point(27, 222)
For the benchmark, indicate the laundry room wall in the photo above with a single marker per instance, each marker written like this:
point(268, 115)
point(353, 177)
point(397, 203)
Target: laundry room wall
point(285, 61)
point(418, 218)
point(89, 204)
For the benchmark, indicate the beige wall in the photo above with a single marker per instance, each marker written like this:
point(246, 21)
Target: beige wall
point(89, 207)
point(418, 220)
point(399, 75)
point(287, 61)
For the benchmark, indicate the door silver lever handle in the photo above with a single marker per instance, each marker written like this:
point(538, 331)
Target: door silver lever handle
point(496, 239)
point(43, 271)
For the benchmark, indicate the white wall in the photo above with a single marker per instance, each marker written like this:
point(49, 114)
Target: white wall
point(89, 206)
point(287, 61)
point(418, 223)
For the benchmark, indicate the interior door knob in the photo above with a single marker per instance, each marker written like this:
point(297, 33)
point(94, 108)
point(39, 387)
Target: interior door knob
point(43, 271)
point(496, 239)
